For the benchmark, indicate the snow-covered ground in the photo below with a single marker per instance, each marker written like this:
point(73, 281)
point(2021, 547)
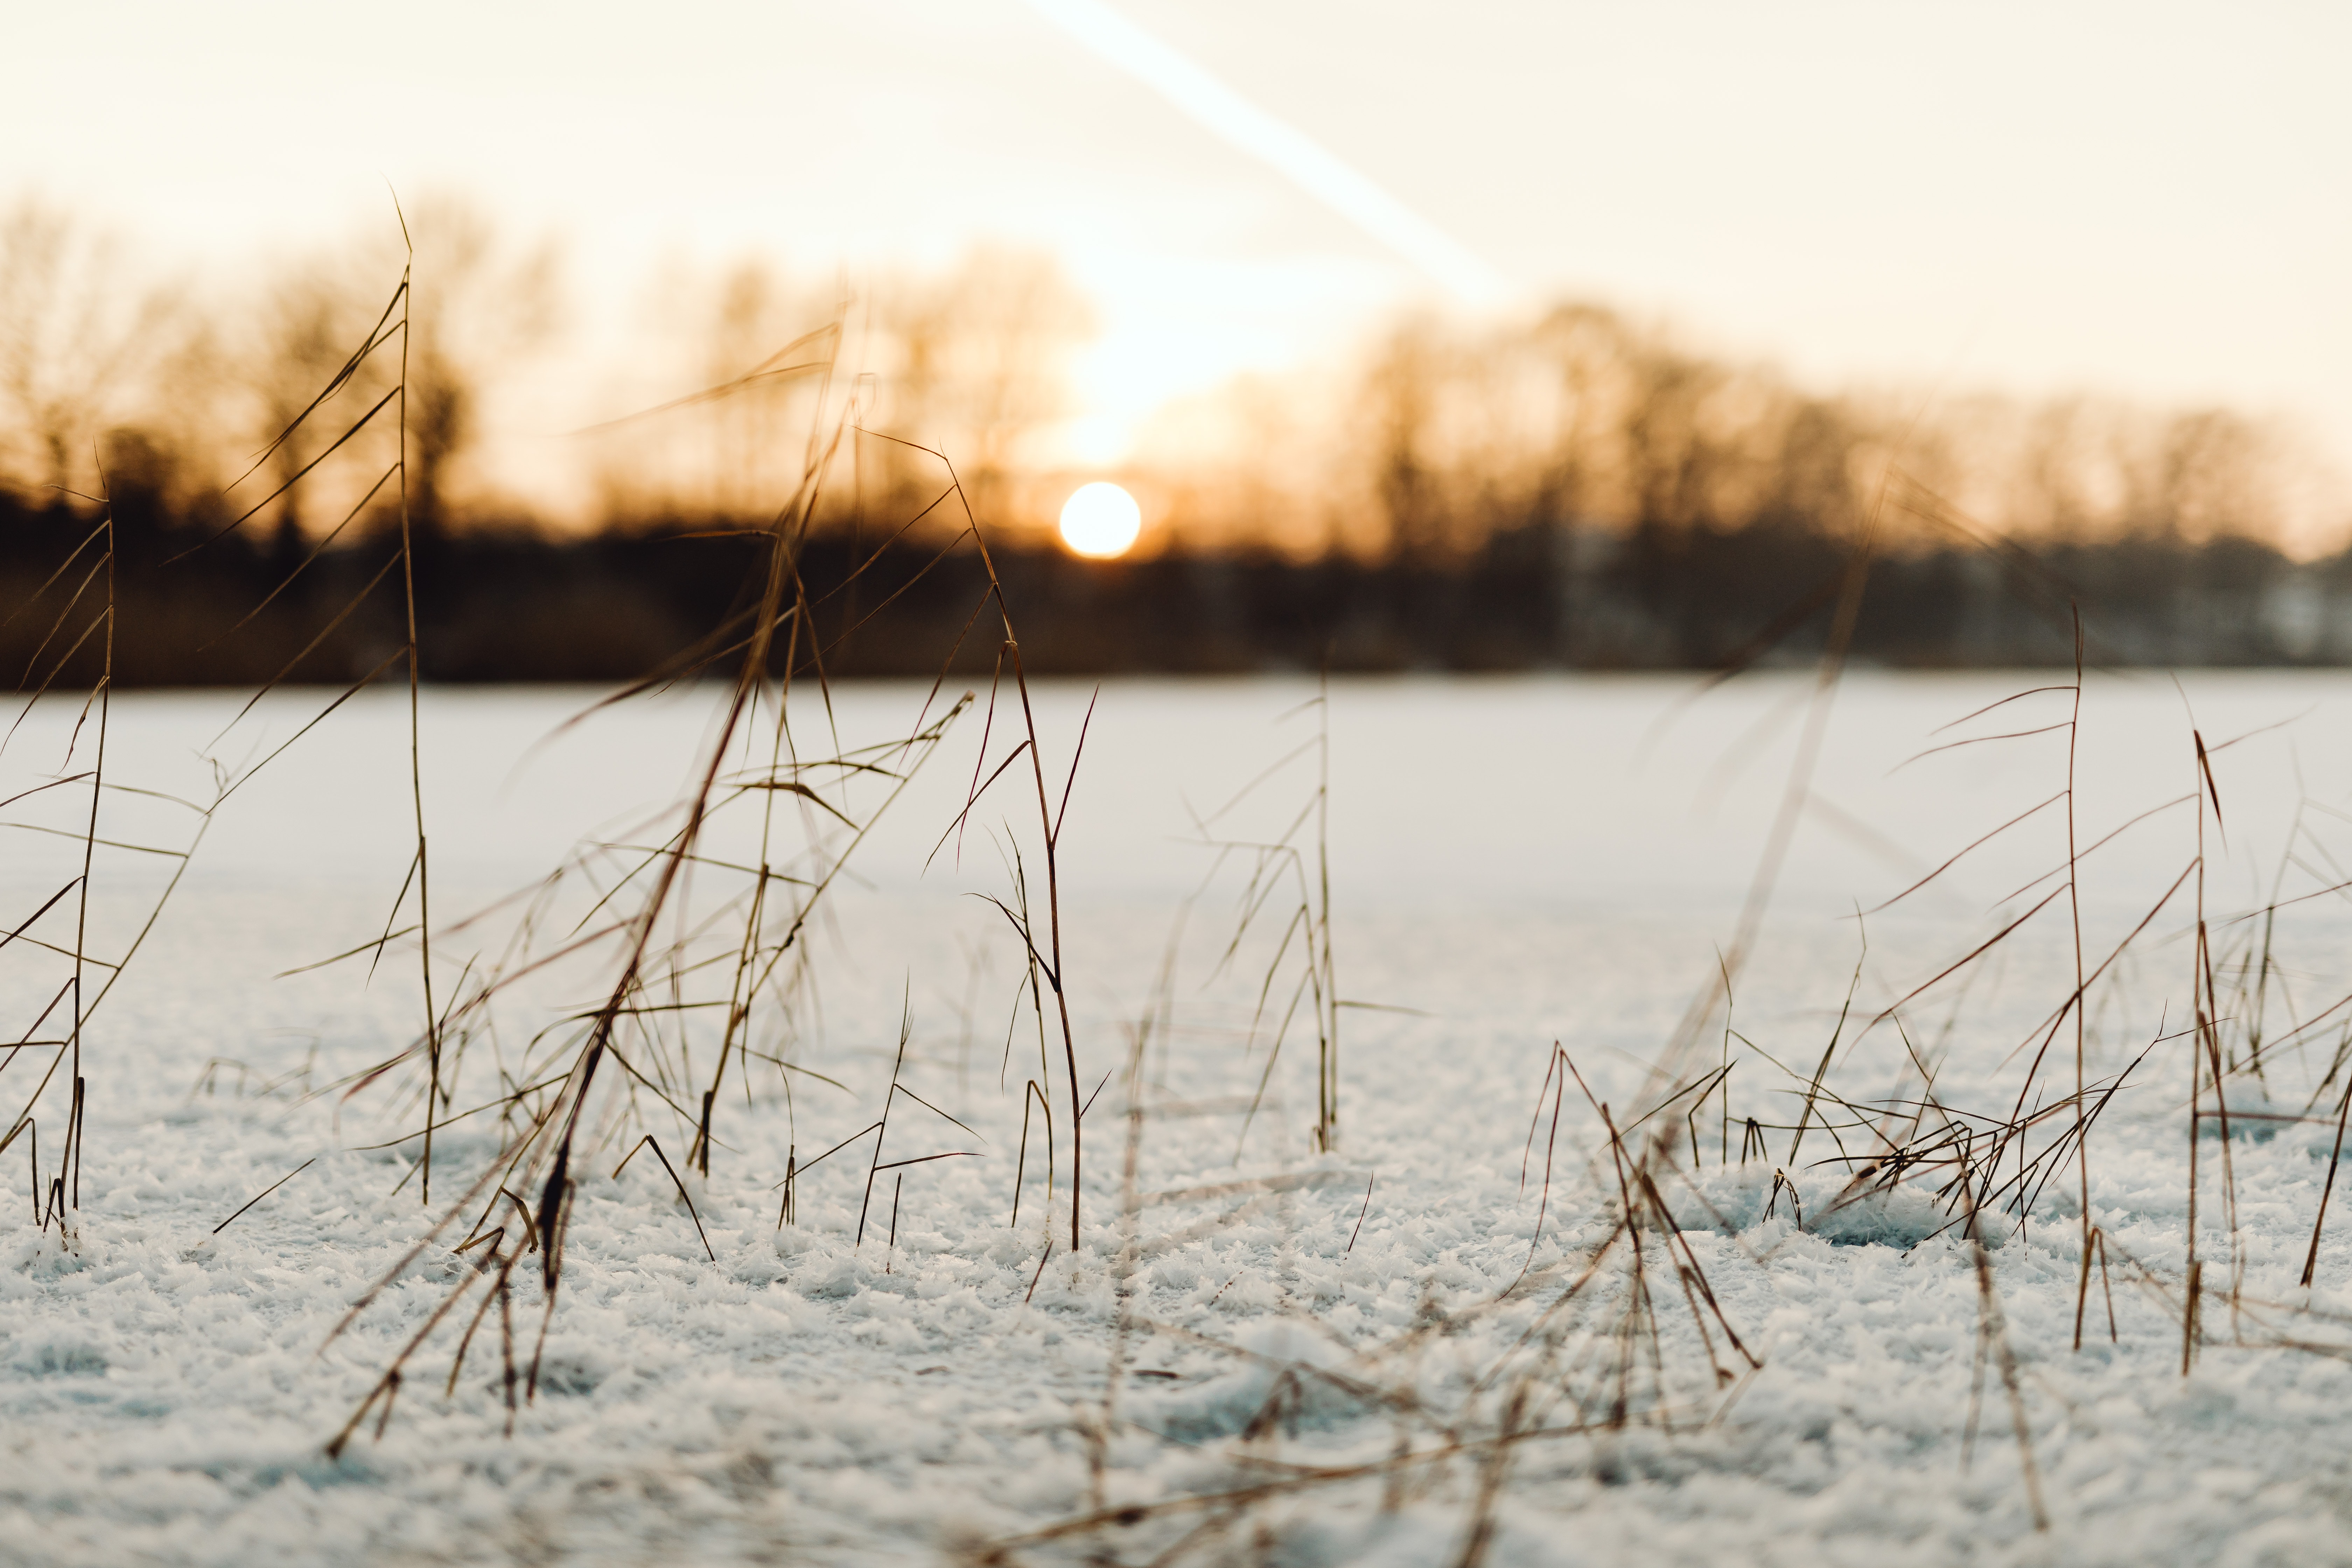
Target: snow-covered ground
point(1260, 1352)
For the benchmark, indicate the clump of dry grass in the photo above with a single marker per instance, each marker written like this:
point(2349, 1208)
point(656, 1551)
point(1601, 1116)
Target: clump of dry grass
point(88, 611)
point(609, 1070)
point(1280, 885)
point(1589, 1359)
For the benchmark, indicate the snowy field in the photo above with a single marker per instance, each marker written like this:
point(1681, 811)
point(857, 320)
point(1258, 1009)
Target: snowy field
point(1400, 1351)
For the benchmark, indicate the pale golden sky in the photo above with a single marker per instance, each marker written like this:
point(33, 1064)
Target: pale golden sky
point(2140, 198)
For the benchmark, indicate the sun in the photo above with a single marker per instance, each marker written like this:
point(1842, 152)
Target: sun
point(1100, 520)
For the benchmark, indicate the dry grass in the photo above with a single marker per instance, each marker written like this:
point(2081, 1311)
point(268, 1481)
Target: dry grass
point(695, 964)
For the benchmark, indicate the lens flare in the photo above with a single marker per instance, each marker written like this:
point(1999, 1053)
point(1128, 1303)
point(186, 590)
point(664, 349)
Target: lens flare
point(1100, 520)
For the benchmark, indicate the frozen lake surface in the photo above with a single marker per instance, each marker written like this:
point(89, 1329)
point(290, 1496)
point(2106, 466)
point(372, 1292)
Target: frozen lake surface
point(1394, 1350)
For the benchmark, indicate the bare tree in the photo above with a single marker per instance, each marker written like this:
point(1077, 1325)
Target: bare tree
point(311, 317)
point(983, 360)
point(751, 317)
point(480, 310)
point(1400, 393)
point(77, 335)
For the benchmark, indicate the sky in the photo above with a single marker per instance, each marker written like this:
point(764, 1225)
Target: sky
point(2142, 199)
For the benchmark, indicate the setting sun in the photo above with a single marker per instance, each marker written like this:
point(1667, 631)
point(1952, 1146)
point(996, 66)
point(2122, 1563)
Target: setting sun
point(1100, 520)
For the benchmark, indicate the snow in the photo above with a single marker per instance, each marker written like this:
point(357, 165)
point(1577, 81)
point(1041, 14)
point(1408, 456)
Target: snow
point(1515, 862)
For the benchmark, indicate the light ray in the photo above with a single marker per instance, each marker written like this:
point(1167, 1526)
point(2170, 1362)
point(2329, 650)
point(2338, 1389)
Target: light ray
point(1330, 180)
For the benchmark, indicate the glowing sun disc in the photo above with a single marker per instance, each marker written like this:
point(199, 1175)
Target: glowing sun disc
point(1100, 520)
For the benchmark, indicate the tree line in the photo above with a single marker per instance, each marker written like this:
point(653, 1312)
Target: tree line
point(1577, 490)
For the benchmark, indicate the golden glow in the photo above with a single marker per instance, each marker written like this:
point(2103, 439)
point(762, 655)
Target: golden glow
point(1100, 520)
